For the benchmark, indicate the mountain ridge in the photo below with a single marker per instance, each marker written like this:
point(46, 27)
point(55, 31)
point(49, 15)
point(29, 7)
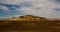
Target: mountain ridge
point(30, 18)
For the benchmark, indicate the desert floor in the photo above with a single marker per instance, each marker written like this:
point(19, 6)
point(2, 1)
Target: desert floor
point(30, 26)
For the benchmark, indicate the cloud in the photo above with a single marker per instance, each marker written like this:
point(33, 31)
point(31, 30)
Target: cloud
point(3, 8)
point(7, 11)
point(56, 9)
point(57, 1)
point(10, 1)
point(44, 8)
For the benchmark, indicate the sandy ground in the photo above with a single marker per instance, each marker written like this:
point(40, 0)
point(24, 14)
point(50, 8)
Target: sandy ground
point(30, 26)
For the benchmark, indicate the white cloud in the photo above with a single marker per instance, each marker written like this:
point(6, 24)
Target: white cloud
point(4, 8)
point(10, 1)
point(38, 7)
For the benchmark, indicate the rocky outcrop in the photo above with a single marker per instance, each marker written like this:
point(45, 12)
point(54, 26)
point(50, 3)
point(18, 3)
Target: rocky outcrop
point(30, 18)
point(27, 18)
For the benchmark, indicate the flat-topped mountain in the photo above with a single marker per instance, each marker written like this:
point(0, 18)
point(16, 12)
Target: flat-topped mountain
point(30, 18)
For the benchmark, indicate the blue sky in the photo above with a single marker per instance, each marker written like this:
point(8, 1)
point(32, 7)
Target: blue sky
point(44, 8)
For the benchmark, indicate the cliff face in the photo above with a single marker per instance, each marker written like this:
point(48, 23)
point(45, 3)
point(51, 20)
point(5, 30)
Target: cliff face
point(29, 18)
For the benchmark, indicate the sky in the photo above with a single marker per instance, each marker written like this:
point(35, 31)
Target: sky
point(15, 8)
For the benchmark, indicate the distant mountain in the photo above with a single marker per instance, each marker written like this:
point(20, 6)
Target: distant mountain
point(30, 18)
